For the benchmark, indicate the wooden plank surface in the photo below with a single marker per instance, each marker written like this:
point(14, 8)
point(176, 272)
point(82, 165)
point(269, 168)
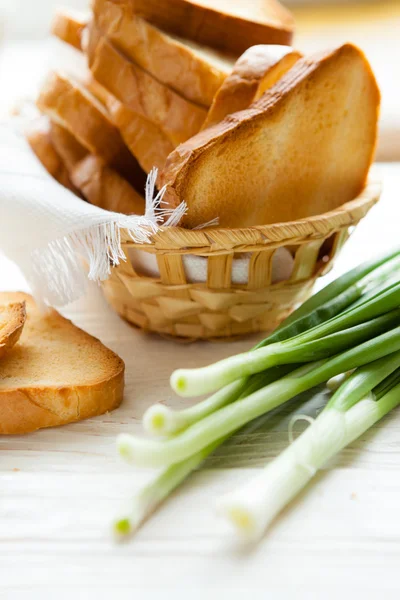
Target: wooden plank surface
point(61, 487)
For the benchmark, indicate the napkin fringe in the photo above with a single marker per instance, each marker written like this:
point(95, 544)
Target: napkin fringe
point(57, 271)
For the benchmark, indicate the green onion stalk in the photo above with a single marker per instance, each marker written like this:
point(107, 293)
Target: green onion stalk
point(315, 342)
point(146, 501)
point(368, 394)
point(227, 420)
point(161, 420)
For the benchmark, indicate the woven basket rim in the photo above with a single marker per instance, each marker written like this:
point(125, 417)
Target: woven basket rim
point(217, 240)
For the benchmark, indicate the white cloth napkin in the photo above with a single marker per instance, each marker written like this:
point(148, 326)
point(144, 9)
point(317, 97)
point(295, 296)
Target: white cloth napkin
point(51, 234)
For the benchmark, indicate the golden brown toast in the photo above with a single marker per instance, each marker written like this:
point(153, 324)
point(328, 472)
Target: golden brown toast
point(12, 321)
point(99, 184)
point(303, 149)
point(103, 187)
point(257, 70)
point(177, 117)
point(144, 139)
point(38, 135)
point(57, 373)
point(194, 71)
point(71, 104)
point(68, 26)
point(231, 25)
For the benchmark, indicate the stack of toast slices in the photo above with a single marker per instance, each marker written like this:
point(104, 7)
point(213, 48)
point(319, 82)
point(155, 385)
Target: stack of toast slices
point(238, 124)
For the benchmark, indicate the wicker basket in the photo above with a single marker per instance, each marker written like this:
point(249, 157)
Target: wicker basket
point(217, 308)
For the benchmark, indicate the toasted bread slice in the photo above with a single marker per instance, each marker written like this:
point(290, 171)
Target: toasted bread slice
point(100, 185)
point(57, 374)
point(71, 104)
point(38, 135)
point(303, 149)
point(229, 25)
point(178, 118)
point(67, 147)
point(103, 187)
point(144, 139)
point(68, 26)
point(12, 321)
point(194, 71)
point(257, 70)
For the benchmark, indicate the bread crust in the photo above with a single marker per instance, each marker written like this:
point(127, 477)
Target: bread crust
point(32, 406)
point(12, 321)
point(67, 147)
point(144, 139)
point(68, 26)
point(257, 70)
point(195, 74)
point(100, 185)
point(21, 411)
point(74, 106)
point(224, 24)
point(177, 117)
point(191, 163)
point(38, 135)
point(67, 103)
point(103, 187)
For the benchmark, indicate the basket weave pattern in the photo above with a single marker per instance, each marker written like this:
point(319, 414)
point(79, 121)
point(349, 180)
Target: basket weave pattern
point(170, 305)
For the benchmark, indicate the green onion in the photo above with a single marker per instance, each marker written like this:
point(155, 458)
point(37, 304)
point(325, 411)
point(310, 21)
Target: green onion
point(162, 420)
point(230, 418)
point(193, 382)
point(363, 282)
point(153, 494)
point(354, 310)
point(342, 283)
point(350, 412)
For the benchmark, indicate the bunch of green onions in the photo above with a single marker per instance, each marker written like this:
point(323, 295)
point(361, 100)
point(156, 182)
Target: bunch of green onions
point(351, 325)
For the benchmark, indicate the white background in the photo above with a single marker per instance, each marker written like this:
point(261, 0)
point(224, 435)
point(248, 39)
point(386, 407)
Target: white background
point(31, 18)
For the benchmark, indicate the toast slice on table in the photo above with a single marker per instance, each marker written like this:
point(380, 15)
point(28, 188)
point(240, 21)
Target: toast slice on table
point(57, 374)
point(38, 135)
point(69, 103)
point(68, 25)
point(303, 149)
point(194, 71)
point(257, 70)
point(145, 140)
point(177, 117)
point(99, 184)
point(12, 321)
point(232, 26)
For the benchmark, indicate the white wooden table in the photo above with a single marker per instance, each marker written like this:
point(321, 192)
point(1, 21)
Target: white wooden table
point(60, 489)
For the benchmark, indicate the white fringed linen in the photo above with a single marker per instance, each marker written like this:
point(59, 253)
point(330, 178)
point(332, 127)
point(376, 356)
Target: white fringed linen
point(51, 234)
